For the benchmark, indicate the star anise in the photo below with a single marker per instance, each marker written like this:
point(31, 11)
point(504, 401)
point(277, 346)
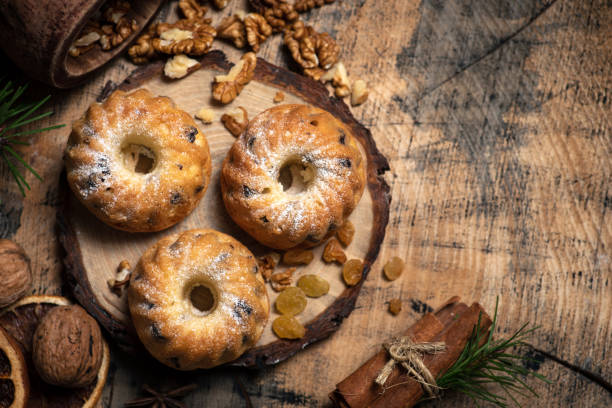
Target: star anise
point(162, 399)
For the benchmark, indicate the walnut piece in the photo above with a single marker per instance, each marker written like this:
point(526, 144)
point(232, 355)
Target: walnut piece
point(306, 5)
point(279, 14)
point(198, 43)
point(232, 28)
point(282, 280)
point(339, 79)
point(192, 9)
point(257, 30)
point(227, 87)
point(114, 35)
point(359, 93)
point(122, 280)
point(313, 51)
point(179, 66)
point(395, 306)
point(15, 272)
point(206, 115)
point(220, 4)
point(143, 50)
point(236, 120)
point(266, 264)
point(67, 347)
point(278, 97)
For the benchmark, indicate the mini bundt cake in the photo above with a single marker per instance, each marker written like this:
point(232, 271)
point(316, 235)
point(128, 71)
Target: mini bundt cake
point(137, 162)
point(197, 299)
point(293, 176)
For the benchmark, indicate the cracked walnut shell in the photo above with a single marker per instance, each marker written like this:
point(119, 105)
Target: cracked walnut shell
point(15, 272)
point(67, 347)
point(227, 87)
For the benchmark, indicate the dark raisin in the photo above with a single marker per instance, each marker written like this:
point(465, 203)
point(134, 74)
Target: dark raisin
point(264, 219)
point(191, 134)
point(242, 309)
point(248, 192)
point(180, 166)
point(156, 333)
point(199, 188)
point(346, 163)
point(174, 246)
point(311, 238)
point(245, 339)
point(176, 198)
point(152, 218)
point(255, 269)
point(342, 137)
point(250, 143)
point(91, 182)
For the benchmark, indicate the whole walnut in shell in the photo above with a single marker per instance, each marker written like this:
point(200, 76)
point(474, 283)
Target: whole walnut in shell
point(67, 347)
point(15, 273)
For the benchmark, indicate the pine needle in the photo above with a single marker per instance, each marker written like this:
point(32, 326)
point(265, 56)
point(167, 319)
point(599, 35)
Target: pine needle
point(481, 366)
point(19, 115)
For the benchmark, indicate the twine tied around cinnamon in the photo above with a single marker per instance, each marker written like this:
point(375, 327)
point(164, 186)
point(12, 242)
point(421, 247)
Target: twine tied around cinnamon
point(409, 355)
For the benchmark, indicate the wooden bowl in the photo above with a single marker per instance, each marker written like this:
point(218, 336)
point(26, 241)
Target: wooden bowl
point(37, 35)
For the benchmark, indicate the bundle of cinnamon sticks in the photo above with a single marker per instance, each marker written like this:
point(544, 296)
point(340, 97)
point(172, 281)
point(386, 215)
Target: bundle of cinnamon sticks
point(452, 324)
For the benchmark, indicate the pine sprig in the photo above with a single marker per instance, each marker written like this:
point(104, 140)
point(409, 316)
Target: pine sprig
point(14, 115)
point(491, 363)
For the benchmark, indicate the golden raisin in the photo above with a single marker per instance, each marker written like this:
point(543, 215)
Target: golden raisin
point(313, 285)
point(395, 306)
point(351, 272)
point(345, 233)
point(291, 301)
point(288, 327)
point(393, 268)
point(333, 252)
point(297, 256)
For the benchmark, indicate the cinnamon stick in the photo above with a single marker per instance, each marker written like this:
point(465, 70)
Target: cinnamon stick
point(452, 324)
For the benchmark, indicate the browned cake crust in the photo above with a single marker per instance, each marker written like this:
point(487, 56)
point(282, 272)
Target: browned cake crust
point(293, 176)
point(137, 162)
point(178, 329)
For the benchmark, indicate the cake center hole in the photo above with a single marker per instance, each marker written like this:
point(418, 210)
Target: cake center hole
point(138, 158)
point(295, 177)
point(202, 298)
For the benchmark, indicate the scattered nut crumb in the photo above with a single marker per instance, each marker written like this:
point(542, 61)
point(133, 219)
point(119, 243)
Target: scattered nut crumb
point(333, 252)
point(395, 306)
point(279, 97)
point(236, 120)
point(345, 233)
point(179, 66)
point(298, 256)
point(227, 87)
point(359, 93)
point(122, 279)
point(206, 115)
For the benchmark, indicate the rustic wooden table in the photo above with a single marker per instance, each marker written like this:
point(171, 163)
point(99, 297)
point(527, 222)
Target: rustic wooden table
point(495, 116)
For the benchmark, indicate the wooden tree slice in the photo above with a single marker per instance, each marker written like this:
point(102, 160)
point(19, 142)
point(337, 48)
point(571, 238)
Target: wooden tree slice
point(94, 250)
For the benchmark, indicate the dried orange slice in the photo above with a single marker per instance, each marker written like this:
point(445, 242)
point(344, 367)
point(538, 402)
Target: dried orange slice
point(14, 381)
point(20, 321)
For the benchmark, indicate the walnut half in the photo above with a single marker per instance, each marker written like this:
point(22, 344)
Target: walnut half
point(227, 87)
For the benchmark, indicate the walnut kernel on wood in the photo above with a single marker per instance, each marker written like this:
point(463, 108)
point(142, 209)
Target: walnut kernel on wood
point(15, 272)
point(236, 120)
point(200, 42)
point(311, 50)
point(359, 93)
point(206, 115)
point(227, 87)
point(179, 66)
point(232, 28)
point(192, 9)
point(257, 30)
point(67, 347)
point(306, 5)
point(339, 79)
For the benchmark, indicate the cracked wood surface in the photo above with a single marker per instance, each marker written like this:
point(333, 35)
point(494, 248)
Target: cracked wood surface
point(495, 117)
